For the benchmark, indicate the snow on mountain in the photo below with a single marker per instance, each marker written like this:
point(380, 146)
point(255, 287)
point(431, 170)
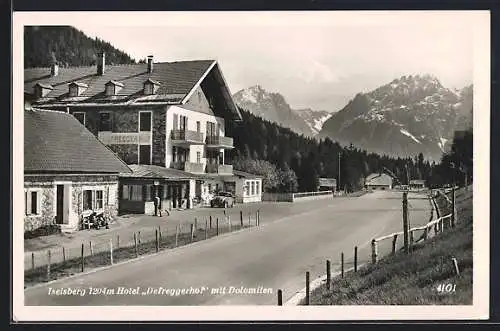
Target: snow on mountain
point(273, 107)
point(314, 118)
point(409, 115)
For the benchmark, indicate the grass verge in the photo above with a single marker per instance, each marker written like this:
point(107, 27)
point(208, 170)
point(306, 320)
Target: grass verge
point(73, 266)
point(425, 277)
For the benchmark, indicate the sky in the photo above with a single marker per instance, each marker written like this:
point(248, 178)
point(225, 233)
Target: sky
point(317, 60)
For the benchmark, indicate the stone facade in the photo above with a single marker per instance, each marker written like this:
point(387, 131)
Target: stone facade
point(45, 186)
point(159, 137)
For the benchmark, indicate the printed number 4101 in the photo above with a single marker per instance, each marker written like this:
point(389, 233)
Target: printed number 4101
point(446, 288)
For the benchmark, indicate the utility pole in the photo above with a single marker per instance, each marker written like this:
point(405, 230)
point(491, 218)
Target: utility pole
point(405, 222)
point(338, 184)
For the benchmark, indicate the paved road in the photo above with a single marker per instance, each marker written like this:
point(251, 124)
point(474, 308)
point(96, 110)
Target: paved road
point(274, 256)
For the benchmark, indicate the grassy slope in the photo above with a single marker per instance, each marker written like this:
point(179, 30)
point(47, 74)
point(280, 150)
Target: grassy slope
point(413, 280)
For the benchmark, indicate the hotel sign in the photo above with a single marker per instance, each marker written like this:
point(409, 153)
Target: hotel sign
point(124, 138)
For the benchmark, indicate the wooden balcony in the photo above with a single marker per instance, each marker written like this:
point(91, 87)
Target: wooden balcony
point(196, 168)
point(219, 142)
point(221, 169)
point(187, 137)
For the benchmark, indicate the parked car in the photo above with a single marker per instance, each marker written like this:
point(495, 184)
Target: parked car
point(223, 199)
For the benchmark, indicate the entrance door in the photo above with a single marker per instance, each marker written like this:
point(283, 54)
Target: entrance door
point(60, 204)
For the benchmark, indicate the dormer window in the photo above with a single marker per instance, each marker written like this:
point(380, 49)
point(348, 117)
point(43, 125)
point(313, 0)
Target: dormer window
point(113, 87)
point(151, 86)
point(77, 88)
point(41, 90)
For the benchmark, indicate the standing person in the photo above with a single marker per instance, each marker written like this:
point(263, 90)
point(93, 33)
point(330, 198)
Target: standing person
point(157, 206)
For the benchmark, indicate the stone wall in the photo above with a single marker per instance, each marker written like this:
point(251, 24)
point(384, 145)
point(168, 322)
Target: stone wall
point(159, 137)
point(46, 186)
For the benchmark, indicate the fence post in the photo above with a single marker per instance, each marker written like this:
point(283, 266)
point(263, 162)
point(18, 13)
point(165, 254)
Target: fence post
point(307, 288)
point(241, 218)
point(159, 234)
point(135, 245)
point(249, 220)
point(258, 216)
point(48, 263)
point(118, 241)
point(342, 264)
point(192, 232)
point(196, 223)
point(206, 229)
point(210, 221)
point(256, 219)
point(411, 239)
point(280, 298)
point(374, 251)
point(139, 237)
point(91, 249)
point(217, 225)
point(32, 260)
point(83, 258)
point(111, 250)
point(64, 254)
point(328, 275)
point(229, 222)
point(394, 240)
point(176, 235)
point(405, 222)
point(455, 264)
point(157, 237)
point(355, 258)
point(453, 207)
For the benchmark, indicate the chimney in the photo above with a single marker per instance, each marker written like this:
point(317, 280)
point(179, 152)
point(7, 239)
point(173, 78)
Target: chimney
point(54, 69)
point(101, 62)
point(150, 63)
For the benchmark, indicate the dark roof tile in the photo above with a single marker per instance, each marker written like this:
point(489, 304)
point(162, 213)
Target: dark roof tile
point(57, 142)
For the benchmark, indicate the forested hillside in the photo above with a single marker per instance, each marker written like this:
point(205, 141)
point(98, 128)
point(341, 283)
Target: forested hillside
point(66, 45)
point(261, 144)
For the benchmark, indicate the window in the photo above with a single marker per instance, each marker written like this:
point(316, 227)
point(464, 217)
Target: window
point(183, 122)
point(253, 188)
point(148, 192)
point(132, 192)
point(209, 188)
point(246, 191)
point(93, 199)
point(144, 121)
point(32, 202)
point(198, 157)
point(257, 188)
point(216, 187)
point(211, 129)
point(105, 121)
point(198, 126)
point(144, 154)
point(80, 116)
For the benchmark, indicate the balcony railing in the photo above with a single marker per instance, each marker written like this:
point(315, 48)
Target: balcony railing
point(187, 137)
point(219, 142)
point(188, 167)
point(222, 169)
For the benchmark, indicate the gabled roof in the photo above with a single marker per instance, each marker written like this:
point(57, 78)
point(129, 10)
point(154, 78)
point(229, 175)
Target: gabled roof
point(378, 179)
point(114, 82)
point(57, 142)
point(177, 81)
point(78, 84)
point(157, 172)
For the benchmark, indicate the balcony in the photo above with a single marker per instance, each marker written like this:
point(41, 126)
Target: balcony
point(187, 137)
point(219, 142)
point(221, 169)
point(196, 168)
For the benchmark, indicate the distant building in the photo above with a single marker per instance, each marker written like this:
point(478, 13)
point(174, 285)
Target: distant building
point(417, 184)
point(378, 181)
point(327, 184)
point(66, 170)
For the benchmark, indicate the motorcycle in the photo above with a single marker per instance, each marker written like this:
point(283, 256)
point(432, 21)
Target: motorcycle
point(94, 220)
